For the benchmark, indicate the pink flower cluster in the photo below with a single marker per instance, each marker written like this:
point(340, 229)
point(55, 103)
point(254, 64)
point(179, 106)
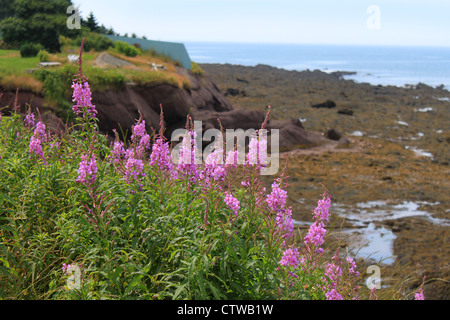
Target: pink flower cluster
point(118, 151)
point(276, 200)
point(161, 155)
point(321, 212)
point(290, 258)
point(133, 169)
point(65, 267)
point(82, 97)
point(214, 166)
point(333, 277)
point(39, 136)
point(87, 170)
point(352, 266)
point(232, 203)
point(419, 295)
point(316, 233)
point(333, 294)
point(138, 130)
point(315, 236)
point(30, 120)
point(187, 158)
point(140, 139)
point(134, 166)
point(257, 154)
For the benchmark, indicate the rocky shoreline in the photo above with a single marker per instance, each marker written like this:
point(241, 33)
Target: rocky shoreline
point(386, 162)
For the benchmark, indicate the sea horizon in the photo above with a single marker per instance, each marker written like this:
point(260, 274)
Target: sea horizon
point(395, 65)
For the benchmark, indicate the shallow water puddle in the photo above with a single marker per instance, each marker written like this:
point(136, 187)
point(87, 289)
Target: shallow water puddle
point(420, 152)
point(373, 211)
point(367, 238)
point(374, 242)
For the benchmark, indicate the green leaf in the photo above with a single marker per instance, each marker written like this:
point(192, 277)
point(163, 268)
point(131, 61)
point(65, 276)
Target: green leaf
point(134, 283)
point(179, 290)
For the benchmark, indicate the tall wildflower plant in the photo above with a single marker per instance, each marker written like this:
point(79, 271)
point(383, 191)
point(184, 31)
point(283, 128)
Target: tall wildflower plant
point(135, 225)
point(82, 96)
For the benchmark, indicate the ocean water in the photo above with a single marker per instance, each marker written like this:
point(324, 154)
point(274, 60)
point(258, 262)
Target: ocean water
point(385, 65)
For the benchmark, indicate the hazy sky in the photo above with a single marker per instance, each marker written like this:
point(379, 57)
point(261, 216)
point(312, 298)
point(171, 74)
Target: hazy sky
point(373, 22)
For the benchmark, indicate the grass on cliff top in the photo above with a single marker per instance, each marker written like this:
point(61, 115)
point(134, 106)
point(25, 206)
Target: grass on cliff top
point(14, 68)
point(54, 83)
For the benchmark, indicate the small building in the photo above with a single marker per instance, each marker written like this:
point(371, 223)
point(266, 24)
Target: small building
point(173, 50)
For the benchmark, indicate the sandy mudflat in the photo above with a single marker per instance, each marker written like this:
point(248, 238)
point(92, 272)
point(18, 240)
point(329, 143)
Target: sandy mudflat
point(393, 177)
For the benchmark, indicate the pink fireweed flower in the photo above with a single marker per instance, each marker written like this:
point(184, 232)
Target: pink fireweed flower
point(87, 170)
point(187, 156)
point(82, 97)
point(161, 155)
point(36, 147)
point(118, 151)
point(39, 136)
point(30, 120)
point(352, 266)
point(277, 198)
point(144, 143)
point(232, 203)
point(231, 159)
point(333, 294)
point(284, 222)
point(138, 130)
point(333, 272)
point(133, 169)
point(290, 258)
point(257, 154)
point(214, 166)
point(65, 267)
point(315, 236)
point(140, 139)
point(419, 295)
point(321, 212)
point(39, 132)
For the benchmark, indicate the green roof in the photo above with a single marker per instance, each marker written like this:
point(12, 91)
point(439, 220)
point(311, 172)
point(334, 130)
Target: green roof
point(175, 51)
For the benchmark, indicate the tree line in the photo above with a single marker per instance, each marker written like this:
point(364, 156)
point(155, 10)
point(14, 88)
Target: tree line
point(42, 22)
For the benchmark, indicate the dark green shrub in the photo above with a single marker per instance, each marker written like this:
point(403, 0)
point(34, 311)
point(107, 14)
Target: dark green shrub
point(43, 56)
point(127, 49)
point(94, 41)
point(30, 49)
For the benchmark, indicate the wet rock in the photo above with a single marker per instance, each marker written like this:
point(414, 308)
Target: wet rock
point(242, 80)
point(232, 92)
point(343, 141)
point(346, 111)
point(332, 134)
point(329, 104)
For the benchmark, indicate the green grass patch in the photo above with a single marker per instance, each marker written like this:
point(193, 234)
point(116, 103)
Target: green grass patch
point(12, 63)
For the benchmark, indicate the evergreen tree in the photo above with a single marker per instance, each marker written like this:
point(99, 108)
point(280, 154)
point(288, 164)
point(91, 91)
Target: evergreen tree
point(38, 21)
point(6, 9)
point(92, 23)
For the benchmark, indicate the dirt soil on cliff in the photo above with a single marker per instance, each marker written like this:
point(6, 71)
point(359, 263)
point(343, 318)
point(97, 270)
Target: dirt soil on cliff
point(397, 152)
